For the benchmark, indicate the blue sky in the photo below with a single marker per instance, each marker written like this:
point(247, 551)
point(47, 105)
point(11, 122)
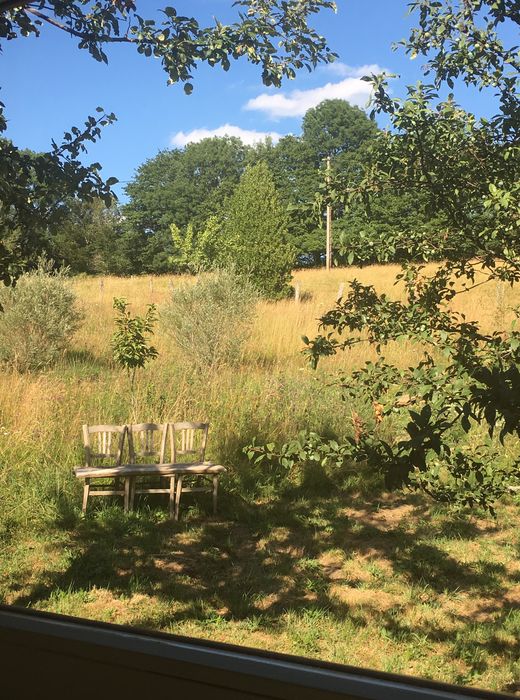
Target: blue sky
point(48, 85)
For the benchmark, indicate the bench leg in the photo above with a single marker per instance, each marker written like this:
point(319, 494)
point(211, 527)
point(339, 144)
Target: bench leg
point(178, 497)
point(132, 491)
point(172, 496)
point(215, 494)
point(86, 492)
point(128, 488)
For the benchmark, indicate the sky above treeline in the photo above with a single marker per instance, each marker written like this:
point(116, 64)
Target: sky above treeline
point(48, 85)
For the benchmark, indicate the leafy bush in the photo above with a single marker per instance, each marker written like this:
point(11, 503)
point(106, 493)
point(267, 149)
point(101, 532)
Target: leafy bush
point(211, 319)
point(196, 251)
point(39, 318)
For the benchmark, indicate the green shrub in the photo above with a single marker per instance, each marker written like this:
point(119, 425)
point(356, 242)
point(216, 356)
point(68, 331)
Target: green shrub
point(130, 346)
point(211, 319)
point(254, 233)
point(39, 318)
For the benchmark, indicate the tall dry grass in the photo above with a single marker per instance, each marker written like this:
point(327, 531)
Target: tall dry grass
point(272, 395)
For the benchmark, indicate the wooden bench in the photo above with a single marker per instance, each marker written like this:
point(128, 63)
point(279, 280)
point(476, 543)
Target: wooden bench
point(186, 439)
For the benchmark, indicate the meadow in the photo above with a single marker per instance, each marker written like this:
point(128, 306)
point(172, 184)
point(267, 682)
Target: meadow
point(335, 568)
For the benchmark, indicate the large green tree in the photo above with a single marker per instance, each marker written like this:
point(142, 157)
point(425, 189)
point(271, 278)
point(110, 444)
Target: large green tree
point(335, 127)
point(332, 128)
point(274, 34)
point(468, 170)
point(181, 187)
point(254, 236)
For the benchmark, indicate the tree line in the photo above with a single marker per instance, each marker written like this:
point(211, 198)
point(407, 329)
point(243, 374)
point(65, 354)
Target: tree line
point(177, 217)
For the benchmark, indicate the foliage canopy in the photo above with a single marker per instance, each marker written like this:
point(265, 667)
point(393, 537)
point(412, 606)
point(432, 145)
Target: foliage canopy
point(468, 171)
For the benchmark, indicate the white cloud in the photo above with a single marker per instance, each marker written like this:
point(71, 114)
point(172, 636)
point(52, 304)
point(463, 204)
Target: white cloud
point(345, 71)
point(297, 102)
point(248, 136)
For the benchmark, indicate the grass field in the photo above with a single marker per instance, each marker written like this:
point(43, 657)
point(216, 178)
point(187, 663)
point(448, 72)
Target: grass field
point(339, 570)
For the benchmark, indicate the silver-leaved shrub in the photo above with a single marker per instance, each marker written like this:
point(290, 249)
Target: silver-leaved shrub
point(39, 318)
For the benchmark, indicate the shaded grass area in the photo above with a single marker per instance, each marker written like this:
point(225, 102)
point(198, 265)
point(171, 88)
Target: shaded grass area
point(379, 581)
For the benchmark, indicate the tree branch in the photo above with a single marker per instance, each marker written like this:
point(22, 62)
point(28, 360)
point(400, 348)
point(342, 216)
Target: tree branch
point(80, 35)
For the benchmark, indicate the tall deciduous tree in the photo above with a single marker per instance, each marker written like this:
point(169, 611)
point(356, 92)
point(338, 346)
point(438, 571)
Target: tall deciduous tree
point(184, 186)
point(335, 127)
point(332, 128)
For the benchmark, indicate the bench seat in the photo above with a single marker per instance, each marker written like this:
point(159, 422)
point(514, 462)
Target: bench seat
point(148, 469)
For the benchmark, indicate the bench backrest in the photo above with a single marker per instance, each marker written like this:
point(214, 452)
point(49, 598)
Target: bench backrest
point(189, 441)
point(147, 442)
point(104, 443)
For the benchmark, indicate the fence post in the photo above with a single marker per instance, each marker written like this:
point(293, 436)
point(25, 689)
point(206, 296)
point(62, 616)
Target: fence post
point(297, 292)
point(340, 292)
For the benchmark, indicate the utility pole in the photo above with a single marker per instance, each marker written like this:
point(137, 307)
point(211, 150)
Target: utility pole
point(328, 250)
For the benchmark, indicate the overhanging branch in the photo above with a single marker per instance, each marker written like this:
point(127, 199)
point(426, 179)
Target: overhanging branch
point(80, 35)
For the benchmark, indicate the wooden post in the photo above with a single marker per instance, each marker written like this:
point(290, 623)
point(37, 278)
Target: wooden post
point(297, 292)
point(328, 251)
point(340, 291)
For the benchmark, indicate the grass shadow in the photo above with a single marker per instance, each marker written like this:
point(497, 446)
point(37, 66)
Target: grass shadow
point(340, 558)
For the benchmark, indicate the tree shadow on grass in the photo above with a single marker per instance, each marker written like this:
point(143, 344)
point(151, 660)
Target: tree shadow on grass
point(260, 562)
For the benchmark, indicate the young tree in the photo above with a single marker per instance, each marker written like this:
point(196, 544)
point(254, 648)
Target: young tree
point(254, 233)
point(468, 170)
point(130, 347)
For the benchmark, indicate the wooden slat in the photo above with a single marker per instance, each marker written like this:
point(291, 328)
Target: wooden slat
point(144, 469)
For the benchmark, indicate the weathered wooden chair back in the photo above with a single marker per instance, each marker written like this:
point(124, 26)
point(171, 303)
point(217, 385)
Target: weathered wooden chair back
point(189, 441)
point(104, 443)
point(147, 442)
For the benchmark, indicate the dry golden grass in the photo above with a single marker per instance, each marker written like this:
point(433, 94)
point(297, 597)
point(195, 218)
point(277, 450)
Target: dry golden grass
point(273, 383)
point(278, 328)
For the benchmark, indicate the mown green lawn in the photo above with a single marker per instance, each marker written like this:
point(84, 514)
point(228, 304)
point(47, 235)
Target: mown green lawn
point(387, 581)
